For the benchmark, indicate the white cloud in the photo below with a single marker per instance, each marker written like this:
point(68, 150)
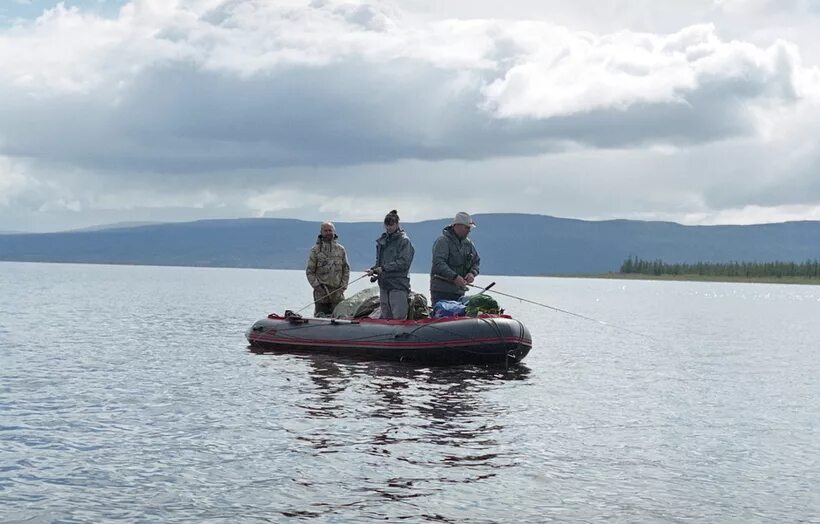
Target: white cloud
point(13, 180)
point(754, 215)
point(251, 107)
point(255, 84)
point(276, 200)
point(303, 202)
point(616, 72)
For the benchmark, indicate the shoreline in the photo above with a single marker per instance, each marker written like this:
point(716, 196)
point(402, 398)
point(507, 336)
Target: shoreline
point(606, 276)
point(697, 278)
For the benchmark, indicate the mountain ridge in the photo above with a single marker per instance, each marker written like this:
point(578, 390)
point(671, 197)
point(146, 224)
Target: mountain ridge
point(509, 243)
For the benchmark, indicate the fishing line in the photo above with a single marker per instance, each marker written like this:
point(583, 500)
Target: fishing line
point(328, 294)
point(567, 312)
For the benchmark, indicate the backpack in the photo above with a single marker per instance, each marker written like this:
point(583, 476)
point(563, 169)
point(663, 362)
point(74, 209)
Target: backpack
point(417, 307)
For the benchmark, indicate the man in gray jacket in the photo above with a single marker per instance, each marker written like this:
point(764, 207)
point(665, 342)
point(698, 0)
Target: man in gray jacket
point(394, 254)
point(455, 260)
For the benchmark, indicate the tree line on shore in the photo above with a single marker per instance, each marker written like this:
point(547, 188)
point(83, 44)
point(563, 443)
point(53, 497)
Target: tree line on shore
point(807, 269)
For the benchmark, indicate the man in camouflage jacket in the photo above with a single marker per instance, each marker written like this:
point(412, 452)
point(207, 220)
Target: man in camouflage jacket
point(328, 271)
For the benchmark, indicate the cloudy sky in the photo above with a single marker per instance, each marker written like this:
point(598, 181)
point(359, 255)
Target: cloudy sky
point(694, 111)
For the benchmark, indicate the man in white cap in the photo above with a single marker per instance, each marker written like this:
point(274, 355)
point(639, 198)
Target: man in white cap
point(328, 271)
point(455, 260)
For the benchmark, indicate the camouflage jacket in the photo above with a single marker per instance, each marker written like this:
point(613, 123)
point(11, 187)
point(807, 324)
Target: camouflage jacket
point(327, 267)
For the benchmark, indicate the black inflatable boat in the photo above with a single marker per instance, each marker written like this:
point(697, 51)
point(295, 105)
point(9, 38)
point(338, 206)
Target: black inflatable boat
point(485, 339)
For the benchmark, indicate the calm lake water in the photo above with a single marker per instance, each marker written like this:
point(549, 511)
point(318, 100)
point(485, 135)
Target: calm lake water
point(129, 394)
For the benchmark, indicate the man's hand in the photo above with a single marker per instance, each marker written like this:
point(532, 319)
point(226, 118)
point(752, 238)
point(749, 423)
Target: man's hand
point(374, 270)
point(460, 282)
point(469, 277)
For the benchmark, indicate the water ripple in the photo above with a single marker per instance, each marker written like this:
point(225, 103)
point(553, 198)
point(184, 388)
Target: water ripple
point(151, 408)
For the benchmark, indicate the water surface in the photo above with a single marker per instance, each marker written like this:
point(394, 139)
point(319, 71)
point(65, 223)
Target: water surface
point(128, 393)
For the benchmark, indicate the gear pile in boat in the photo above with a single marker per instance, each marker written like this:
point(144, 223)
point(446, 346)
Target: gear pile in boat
point(365, 303)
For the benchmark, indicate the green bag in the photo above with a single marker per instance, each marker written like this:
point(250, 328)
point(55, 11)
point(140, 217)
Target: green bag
point(482, 303)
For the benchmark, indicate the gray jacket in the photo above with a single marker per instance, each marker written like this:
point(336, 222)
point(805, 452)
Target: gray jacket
point(452, 257)
point(394, 254)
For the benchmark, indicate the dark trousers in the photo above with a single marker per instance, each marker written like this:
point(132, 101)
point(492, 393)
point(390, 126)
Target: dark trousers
point(324, 309)
point(435, 296)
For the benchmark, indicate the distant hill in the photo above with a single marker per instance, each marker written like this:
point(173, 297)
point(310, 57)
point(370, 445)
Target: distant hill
point(118, 225)
point(510, 244)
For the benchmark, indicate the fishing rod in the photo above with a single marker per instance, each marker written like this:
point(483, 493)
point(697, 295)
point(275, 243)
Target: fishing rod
point(439, 277)
point(484, 290)
point(328, 293)
point(560, 310)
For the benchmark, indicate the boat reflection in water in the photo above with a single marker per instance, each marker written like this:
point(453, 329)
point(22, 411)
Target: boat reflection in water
point(395, 433)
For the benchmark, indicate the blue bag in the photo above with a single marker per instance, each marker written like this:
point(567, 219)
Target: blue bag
point(448, 308)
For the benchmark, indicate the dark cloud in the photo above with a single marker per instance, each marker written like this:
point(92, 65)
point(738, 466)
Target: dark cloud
point(180, 118)
point(231, 114)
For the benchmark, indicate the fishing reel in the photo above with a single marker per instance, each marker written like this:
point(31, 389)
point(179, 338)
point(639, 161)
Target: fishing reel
point(374, 273)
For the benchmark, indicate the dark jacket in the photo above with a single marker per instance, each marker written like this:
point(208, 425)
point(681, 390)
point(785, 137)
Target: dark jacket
point(452, 257)
point(394, 254)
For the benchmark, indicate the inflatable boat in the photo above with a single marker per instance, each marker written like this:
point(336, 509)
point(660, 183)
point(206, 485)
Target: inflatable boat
point(484, 339)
